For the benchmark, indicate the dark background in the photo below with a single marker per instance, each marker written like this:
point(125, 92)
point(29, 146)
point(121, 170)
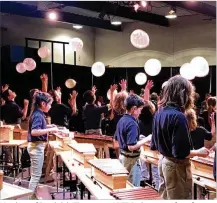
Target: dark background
point(22, 83)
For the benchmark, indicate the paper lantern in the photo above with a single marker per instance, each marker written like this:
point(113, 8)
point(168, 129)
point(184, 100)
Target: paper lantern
point(200, 66)
point(152, 67)
point(187, 71)
point(70, 83)
point(164, 84)
point(98, 69)
point(139, 39)
point(21, 67)
point(30, 64)
point(76, 44)
point(140, 78)
point(109, 94)
point(43, 52)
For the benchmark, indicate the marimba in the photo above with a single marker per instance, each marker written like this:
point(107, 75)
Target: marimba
point(203, 166)
point(150, 155)
point(82, 152)
point(146, 193)
point(109, 172)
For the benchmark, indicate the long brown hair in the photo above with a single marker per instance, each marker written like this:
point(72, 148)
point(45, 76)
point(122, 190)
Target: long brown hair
point(119, 99)
point(178, 91)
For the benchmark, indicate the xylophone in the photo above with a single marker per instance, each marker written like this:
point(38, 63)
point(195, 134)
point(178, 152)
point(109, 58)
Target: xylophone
point(109, 172)
point(140, 193)
point(203, 166)
point(150, 155)
point(99, 141)
point(83, 152)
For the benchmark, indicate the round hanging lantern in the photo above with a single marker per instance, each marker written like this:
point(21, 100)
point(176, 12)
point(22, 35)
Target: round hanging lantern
point(200, 66)
point(140, 78)
point(98, 69)
point(70, 83)
point(43, 52)
point(21, 67)
point(76, 44)
point(109, 94)
point(164, 84)
point(30, 64)
point(152, 67)
point(187, 71)
point(139, 39)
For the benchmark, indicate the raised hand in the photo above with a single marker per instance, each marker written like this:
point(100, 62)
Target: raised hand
point(5, 87)
point(73, 95)
point(26, 102)
point(123, 85)
point(149, 84)
point(44, 77)
point(94, 89)
point(113, 88)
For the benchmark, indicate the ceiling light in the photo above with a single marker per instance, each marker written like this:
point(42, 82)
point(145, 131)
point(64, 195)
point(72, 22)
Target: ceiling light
point(143, 3)
point(52, 15)
point(171, 14)
point(136, 7)
point(77, 26)
point(116, 22)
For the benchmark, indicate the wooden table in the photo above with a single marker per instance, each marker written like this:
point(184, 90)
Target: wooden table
point(13, 192)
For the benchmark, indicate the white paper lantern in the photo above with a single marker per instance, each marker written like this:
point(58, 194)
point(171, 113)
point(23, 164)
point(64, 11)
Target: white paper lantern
point(76, 44)
point(30, 64)
point(140, 78)
point(70, 83)
point(43, 52)
point(109, 94)
point(187, 71)
point(21, 67)
point(200, 66)
point(152, 67)
point(98, 69)
point(164, 84)
point(139, 39)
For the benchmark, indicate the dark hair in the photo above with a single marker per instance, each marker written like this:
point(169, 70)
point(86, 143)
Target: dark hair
point(179, 92)
point(211, 101)
point(38, 98)
point(154, 96)
point(5, 95)
point(146, 115)
point(133, 100)
point(89, 97)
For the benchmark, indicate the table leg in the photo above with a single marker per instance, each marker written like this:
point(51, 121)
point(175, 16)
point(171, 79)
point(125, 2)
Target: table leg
point(195, 191)
point(57, 172)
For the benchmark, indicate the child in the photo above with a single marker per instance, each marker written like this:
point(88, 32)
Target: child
point(37, 136)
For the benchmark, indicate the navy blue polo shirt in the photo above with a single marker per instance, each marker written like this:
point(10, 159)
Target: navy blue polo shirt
point(37, 121)
point(127, 132)
point(170, 133)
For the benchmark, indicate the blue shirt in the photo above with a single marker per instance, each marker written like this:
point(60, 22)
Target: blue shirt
point(170, 133)
point(127, 132)
point(37, 121)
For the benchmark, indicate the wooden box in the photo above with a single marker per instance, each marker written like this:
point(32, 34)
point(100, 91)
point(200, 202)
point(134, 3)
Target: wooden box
point(19, 134)
point(109, 172)
point(203, 167)
point(6, 133)
point(83, 152)
point(150, 153)
point(64, 140)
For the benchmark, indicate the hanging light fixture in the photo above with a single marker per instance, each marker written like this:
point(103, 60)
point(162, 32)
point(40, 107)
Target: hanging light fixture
point(171, 14)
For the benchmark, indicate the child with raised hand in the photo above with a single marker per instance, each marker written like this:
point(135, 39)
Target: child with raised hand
point(38, 136)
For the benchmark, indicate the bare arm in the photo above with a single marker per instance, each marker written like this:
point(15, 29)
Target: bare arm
point(148, 87)
point(72, 102)
point(39, 132)
point(25, 108)
point(202, 152)
point(140, 143)
point(44, 82)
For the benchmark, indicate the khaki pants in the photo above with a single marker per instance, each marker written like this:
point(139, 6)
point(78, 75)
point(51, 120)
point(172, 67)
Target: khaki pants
point(176, 178)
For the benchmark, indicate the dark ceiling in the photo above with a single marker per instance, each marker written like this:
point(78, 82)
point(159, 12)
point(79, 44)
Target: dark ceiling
point(102, 11)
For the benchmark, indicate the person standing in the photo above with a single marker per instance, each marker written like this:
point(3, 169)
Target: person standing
point(171, 137)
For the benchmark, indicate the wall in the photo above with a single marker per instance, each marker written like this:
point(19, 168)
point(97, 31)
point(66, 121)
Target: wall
point(173, 46)
point(18, 28)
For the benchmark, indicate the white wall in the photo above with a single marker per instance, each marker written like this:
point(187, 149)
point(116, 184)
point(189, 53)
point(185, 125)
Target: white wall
point(18, 28)
point(173, 46)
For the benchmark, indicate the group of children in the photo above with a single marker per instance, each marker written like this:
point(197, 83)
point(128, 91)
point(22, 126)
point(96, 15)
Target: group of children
point(170, 122)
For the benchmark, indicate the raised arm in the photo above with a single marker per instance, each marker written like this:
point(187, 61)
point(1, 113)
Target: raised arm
point(123, 85)
point(44, 82)
point(72, 102)
point(148, 87)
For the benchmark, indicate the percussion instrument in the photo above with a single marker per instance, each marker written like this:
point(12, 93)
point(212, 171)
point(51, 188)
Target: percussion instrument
point(6, 132)
point(150, 155)
point(203, 166)
point(83, 152)
point(139, 193)
point(109, 172)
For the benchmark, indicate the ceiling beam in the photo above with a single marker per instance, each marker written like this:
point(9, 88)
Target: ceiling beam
point(116, 10)
point(198, 7)
point(31, 11)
